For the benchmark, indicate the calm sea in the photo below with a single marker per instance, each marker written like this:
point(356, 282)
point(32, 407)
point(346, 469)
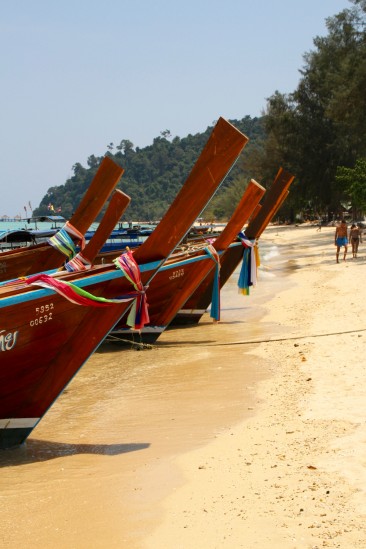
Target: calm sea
point(23, 224)
point(14, 225)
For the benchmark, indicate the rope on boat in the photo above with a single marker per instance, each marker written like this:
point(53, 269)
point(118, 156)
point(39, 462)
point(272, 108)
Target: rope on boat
point(138, 345)
point(272, 340)
point(293, 337)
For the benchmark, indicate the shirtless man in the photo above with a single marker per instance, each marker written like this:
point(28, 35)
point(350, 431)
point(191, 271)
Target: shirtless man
point(340, 239)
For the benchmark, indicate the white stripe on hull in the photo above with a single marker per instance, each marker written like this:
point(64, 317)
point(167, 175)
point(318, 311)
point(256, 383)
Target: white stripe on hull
point(19, 422)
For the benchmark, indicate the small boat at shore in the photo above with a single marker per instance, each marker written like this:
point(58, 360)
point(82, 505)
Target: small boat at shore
point(198, 303)
point(168, 291)
point(50, 325)
point(44, 256)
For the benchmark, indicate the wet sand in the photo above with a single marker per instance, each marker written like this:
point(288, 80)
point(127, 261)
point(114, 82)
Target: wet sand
point(248, 433)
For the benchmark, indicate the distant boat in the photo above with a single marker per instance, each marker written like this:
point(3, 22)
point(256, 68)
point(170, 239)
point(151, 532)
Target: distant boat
point(123, 237)
point(17, 238)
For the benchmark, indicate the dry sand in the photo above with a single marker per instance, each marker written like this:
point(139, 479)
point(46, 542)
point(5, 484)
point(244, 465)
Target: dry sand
point(294, 474)
point(245, 434)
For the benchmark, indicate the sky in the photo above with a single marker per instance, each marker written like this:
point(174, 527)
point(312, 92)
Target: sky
point(77, 75)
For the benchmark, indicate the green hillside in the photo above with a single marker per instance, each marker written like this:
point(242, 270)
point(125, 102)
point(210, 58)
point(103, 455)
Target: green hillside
point(154, 174)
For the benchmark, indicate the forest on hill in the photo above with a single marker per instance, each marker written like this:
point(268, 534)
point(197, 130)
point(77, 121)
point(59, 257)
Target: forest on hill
point(153, 174)
point(317, 132)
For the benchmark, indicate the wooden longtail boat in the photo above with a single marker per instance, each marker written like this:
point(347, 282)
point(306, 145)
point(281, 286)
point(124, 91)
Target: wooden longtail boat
point(200, 300)
point(41, 257)
point(274, 198)
point(168, 291)
point(85, 259)
point(45, 338)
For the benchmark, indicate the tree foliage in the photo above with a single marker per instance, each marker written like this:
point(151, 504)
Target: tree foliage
point(352, 182)
point(153, 175)
point(322, 124)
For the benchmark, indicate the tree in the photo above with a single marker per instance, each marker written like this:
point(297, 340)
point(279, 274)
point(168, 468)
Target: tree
point(125, 146)
point(352, 181)
point(93, 161)
point(166, 134)
point(322, 124)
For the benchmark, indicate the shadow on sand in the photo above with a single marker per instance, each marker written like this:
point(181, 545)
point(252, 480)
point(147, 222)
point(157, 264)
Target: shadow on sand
point(35, 450)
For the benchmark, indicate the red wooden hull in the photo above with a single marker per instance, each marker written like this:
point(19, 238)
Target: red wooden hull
point(198, 303)
point(166, 284)
point(43, 257)
point(167, 295)
point(200, 300)
point(45, 339)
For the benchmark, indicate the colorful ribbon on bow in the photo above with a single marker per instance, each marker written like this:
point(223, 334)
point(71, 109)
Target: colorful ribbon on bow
point(73, 293)
point(250, 263)
point(63, 241)
point(78, 263)
point(215, 300)
point(139, 315)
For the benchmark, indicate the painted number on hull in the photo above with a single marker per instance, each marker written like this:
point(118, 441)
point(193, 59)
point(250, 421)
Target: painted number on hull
point(43, 315)
point(7, 341)
point(177, 274)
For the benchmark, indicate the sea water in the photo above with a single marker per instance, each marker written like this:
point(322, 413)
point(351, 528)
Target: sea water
point(31, 225)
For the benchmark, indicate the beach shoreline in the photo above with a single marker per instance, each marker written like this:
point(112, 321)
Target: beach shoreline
point(249, 433)
point(292, 475)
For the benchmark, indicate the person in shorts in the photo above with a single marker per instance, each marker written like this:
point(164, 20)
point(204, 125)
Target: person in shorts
point(341, 239)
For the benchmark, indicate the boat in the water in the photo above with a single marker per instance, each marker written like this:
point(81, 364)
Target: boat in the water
point(50, 325)
point(30, 235)
point(122, 237)
point(16, 238)
point(64, 243)
point(169, 290)
point(198, 303)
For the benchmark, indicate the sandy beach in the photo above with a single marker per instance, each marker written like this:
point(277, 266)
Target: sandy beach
point(294, 474)
point(249, 433)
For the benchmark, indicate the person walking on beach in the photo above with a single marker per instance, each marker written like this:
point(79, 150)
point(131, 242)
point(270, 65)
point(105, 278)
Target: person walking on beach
point(340, 239)
point(355, 237)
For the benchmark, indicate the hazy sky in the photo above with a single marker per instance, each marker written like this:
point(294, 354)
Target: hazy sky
point(77, 75)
